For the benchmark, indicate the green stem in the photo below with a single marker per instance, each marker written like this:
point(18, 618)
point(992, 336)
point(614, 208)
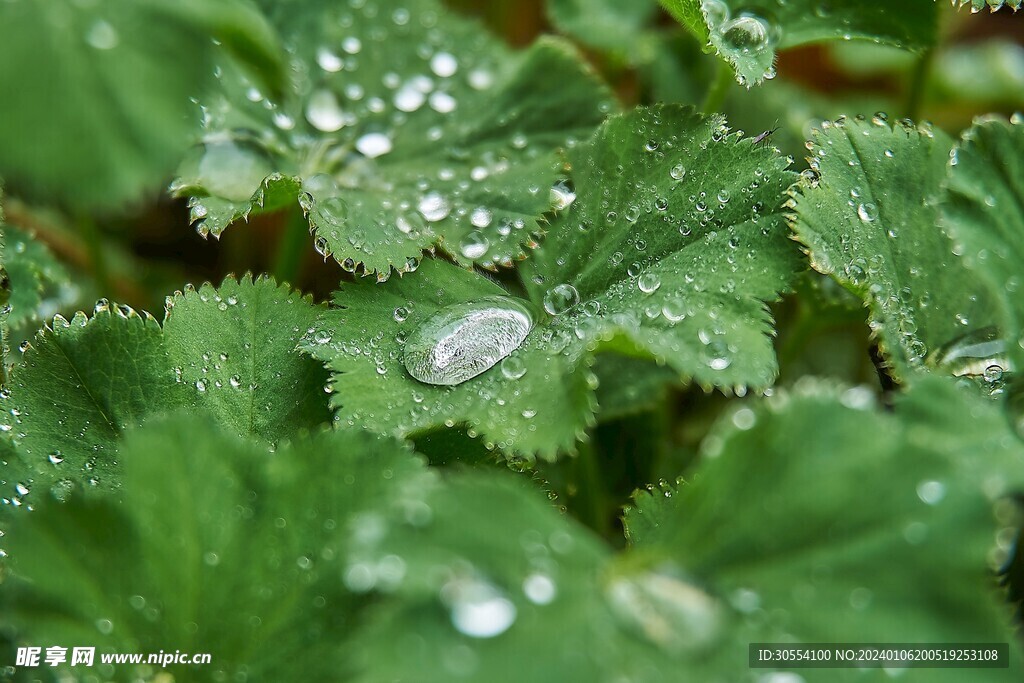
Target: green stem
point(95, 245)
point(919, 83)
point(291, 249)
point(718, 89)
point(590, 499)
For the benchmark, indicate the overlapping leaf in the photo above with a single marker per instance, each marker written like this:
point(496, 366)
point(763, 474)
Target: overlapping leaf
point(111, 110)
point(866, 526)
point(230, 548)
point(229, 351)
point(984, 210)
point(36, 277)
point(870, 221)
point(407, 128)
point(670, 251)
point(747, 33)
point(234, 345)
point(605, 24)
point(991, 5)
point(495, 574)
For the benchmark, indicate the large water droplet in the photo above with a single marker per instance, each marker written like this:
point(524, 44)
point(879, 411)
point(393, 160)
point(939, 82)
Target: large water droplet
point(466, 339)
point(232, 170)
point(972, 355)
point(670, 612)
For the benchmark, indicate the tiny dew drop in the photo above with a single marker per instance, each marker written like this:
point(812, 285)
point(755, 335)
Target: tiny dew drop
point(466, 339)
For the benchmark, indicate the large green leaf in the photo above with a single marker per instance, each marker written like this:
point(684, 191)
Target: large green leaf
point(670, 251)
point(218, 546)
point(107, 85)
point(83, 382)
point(406, 129)
point(984, 210)
point(868, 215)
point(860, 526)
point(747, 33)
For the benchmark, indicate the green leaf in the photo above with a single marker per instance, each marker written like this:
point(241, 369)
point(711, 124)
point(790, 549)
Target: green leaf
point(992, 5)
point(676, 241)
point(84, 382)
point(407, 128)
point(236, 345)
point(984, 210)
point(606, 24)
point(865, 526)
point(81, 383)
point(495, 574)
point(36, 277)
point(747, 33)
point(684, 284)
point(231, 547)
point(871, 223)
point(98, 79)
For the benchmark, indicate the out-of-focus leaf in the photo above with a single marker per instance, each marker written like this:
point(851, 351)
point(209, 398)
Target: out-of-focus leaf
point(217, 546)
point(841, 490)
point(984, 209)
point(110, 105)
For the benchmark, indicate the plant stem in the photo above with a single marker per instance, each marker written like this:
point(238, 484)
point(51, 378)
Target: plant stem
point(590, 486)
point(919, 83)
point(718, 89)
point(95, 245)
point(291, 248)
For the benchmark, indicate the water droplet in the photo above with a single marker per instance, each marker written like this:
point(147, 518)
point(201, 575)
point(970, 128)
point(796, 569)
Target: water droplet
point(444, 64)
point(648, 283)
point(678, 172)
point(232, 170)
point(562, 196)
point(434, 207)
point(466, 339)
point(560, 299)
point(474, 245)
point(931, 492)
point(373, 145)
point(539, 589)
point(972, 355)
point(513, 367)
point(478, 609)
point(867, 212)
point(324, 112)
point(328, 60)
point(102, 35)
point(672, 613)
